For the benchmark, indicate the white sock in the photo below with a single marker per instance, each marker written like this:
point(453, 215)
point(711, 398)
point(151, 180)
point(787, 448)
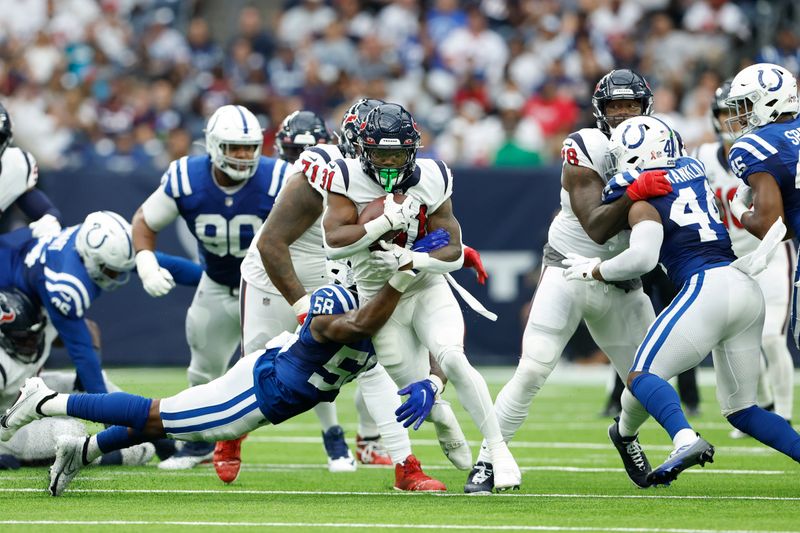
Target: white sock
point(326, 412)
point(472, 393)
point(380, 396)
point(367, 427)
point(92, 450)
point(56, 406)
point(633, 414)
point(483, 454)
point(684, 437)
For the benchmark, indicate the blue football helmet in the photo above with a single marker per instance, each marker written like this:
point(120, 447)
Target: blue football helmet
point(351, 123)
point(621, 84)
point(388, 142)
point(22, 326)
point(298, 131)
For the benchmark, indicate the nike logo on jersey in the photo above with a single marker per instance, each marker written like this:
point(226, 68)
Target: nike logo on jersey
point(326, 292)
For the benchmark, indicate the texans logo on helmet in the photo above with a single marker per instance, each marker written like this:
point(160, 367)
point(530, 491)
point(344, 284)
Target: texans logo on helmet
point(6, 314)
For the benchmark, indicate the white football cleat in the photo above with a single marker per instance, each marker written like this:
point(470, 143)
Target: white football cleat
point(138, 455)
point(69, 461)
point(451, 437)
point(189, 456)
point(26, 409)
point(738, 434)
point(506, 472)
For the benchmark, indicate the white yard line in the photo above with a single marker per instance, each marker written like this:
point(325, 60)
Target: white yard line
point(398, 494)
point(340, 525)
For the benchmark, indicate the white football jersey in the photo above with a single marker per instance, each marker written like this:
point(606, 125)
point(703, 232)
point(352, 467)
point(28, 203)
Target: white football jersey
point(431, 184)
point(13, 372)
point(724, 184)
point(585, 148)
point(18, 174)
point(307, 252)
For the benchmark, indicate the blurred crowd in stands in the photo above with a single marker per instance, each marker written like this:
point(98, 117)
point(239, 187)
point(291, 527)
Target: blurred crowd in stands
point(127, 83)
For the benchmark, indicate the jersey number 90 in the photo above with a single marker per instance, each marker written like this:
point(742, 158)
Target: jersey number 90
point(221, 236)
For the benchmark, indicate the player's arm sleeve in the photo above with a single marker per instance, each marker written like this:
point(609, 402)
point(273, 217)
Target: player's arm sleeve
point(35, 204)
point(77, 338)
point(641, 256)
point(159, 210)
point(183, 270)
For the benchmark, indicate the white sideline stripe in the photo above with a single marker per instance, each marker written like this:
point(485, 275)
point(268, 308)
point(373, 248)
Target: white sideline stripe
point(396, 493)
point(372, 525)
point(276, 467)
point(524, 444)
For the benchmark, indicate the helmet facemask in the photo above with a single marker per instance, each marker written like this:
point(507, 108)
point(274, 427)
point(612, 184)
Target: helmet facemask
point(742, 119)
point(389, 166)
point(238, 168)
point(233, 140)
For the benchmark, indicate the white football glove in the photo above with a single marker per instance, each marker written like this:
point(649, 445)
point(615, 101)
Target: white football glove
point(400, 215)
point(741, 201)
point(47, 226)
point(157, 281)
point(390, 260)
point(580, 267)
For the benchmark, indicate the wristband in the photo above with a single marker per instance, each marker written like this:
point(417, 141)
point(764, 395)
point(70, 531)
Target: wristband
point(401, 280)
point(437, 382)
point(302, 305)
point(146, 261)
point(376, 228)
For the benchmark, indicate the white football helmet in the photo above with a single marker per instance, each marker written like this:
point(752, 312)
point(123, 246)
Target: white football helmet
point(759, 95)
point(642, 143)
point(234, 125)
point(106, 248)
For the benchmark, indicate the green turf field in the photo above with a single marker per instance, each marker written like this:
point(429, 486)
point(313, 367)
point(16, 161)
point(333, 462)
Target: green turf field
point(572, 481)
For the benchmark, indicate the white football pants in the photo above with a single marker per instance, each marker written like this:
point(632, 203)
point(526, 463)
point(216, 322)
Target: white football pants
point(720, 310)
point(212, 330)
point(617, 321)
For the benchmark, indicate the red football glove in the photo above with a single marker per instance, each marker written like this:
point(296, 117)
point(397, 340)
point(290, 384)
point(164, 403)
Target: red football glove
point(649, 184)
point(472, 259)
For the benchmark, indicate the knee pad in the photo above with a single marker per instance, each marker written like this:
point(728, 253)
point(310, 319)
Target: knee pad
point(197, 321)
point(542, 345)
point(199, 376)
point(532, 374)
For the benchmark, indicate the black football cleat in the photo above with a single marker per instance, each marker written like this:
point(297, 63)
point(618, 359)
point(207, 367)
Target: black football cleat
point(480, 479)
point(630, 451)
point(698, 453)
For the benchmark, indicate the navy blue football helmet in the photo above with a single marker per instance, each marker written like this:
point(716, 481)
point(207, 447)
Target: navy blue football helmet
point(622, 84)
point(388, 142)
point(5, 130)
point(21, 326)
point(298, 131)
point(351, 122)
point(718, 107)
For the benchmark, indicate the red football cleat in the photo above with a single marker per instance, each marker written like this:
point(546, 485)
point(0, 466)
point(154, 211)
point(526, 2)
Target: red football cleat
point(409, 476)
point(370, 451)
point(228, 459)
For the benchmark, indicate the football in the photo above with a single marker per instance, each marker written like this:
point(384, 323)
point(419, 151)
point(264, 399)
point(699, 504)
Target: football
point(373, 210)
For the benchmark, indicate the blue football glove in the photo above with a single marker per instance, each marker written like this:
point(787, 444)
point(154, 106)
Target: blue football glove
point(421, 395)
point(438, 238)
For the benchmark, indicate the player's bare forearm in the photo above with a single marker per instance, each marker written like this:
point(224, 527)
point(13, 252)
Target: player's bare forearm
point(445, 219)
point(298, 208)
point(599, 221)
point(767, 205)
point(360, 324)
point(339, 222)
point(144, 238)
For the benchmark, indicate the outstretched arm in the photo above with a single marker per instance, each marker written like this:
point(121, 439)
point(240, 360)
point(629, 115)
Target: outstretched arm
point(365, 321)
point(298, 207)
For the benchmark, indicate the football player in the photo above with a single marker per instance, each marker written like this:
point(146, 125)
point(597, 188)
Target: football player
point(64, 273)
point(290, 260)
point(295, 372)
point(271, 307)
point(26, 337)
point(775, 281)
point(719, 308)
point(18, 177)
point(428, 318)
point(224, 197)
point(617, 314)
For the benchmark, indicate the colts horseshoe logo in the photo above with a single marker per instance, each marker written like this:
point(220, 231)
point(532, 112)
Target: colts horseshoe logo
point(764, 85)
point(89, 239)
point(637, 143)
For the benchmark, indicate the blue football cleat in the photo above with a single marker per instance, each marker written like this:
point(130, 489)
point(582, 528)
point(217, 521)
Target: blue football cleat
point(699, 452)
point(339, 457)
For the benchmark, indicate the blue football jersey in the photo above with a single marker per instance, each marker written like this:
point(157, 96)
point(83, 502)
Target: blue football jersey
point(224, 222)
point(774, 149)
point(695, 238)
point(50, 271)
point(295, 377)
